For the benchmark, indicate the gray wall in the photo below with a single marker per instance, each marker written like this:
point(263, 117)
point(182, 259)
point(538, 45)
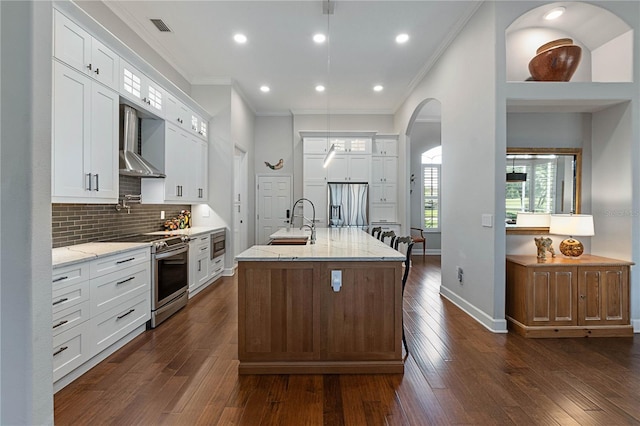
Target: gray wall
point(26, 377)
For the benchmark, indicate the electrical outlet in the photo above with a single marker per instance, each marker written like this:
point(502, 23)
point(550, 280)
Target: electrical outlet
point(336, 280)
point(161, 214)
point(460, 273)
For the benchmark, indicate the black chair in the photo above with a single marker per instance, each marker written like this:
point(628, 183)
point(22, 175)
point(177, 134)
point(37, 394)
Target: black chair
point(404, 245)
point(389, 234)
point(375, 232)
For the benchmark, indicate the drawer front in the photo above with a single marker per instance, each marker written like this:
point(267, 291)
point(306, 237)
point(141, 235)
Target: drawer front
point(116, 262)
point(69, 275)
point(71, 349)
point(111, 290)
point(67, 318)
point(116, 323)
point(216, 266)
point(70, 295)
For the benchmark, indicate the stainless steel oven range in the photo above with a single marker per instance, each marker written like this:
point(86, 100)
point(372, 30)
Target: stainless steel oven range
point(169, 273)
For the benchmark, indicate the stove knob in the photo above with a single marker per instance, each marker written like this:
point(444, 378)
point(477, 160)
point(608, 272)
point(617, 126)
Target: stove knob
point(185, 238)
point(160, 245)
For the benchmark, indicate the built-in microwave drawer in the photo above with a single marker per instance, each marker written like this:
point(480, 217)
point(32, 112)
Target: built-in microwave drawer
point(70, 317)
point(116, 262)
point(70, 295)
point(113, 289)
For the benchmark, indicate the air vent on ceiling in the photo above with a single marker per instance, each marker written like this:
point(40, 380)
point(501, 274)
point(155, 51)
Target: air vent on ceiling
point(160, 25)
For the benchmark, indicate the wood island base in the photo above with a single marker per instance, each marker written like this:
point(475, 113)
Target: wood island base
point(291, 320)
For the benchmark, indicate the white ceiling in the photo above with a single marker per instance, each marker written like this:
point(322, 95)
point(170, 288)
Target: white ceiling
point(280, 53)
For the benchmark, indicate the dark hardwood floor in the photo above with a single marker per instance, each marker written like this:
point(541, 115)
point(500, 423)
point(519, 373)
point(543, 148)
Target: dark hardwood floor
point(457, 372)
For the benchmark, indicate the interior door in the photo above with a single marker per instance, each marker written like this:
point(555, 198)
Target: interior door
point(274, 199)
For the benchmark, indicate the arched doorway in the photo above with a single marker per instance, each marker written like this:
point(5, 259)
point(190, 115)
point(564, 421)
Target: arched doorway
point(423, 134)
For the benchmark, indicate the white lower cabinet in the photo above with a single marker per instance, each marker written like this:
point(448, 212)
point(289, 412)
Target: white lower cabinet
point(95, 305)
point(203, 270)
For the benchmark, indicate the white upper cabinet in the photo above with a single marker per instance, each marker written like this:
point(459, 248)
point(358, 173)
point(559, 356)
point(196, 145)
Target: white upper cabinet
point(77, 48)
point(315, 145)
point(85, 139)
point(349, 168)
point(137, 87)
point(384, 169)
point(351, 145)
point(177, 112)
point(385, 147)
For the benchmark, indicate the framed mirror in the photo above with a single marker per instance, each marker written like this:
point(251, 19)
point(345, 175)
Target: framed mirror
point(541, 180)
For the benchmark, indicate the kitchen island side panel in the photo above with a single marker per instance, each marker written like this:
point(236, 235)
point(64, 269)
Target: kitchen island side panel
point(290, 319)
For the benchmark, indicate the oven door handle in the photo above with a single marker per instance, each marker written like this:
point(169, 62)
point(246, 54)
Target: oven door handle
point(165, 254)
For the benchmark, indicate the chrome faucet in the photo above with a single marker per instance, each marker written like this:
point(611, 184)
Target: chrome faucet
point(312, 222)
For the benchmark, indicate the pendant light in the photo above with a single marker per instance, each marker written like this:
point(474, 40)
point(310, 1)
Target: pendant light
point(515, 176)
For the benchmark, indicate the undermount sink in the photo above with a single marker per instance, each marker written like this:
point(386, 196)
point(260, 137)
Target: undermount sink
point(289, 241)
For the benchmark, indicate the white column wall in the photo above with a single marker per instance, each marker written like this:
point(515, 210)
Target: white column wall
point(26, 377)
point(468, 98)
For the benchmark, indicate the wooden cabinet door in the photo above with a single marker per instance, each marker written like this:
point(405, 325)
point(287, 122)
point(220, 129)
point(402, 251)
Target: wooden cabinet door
point(362, 320)
point(603, 295)
point(552, 296)
point(277, 312)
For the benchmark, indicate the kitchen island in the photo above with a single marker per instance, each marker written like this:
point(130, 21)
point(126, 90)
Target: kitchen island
point(333, 307)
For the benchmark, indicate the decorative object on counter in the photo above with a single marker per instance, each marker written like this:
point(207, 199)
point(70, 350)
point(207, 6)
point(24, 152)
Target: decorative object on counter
point(573, 225)
point(556, 60)
point(183, 221)
point(276, 166)
point(544, 245)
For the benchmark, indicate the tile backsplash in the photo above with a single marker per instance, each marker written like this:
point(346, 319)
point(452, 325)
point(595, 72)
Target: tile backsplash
point(84, 223)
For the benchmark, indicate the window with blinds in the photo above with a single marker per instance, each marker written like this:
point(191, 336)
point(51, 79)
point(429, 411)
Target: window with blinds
point(431, 196)
point(538, 192)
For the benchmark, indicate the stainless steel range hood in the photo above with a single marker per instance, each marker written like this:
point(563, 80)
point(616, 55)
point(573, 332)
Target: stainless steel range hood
point(132, 163)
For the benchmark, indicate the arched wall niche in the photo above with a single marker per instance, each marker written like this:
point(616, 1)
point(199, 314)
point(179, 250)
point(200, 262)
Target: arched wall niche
point(605, 38)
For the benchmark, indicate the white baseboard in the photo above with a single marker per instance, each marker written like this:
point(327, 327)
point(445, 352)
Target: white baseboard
point(494, 325)
point(229, 272)
point(428, 252)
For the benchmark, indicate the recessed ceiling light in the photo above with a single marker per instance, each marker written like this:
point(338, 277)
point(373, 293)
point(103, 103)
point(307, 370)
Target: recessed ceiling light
point(554, 13)
point(319, 88)
point(240, 38)
point(319, 38)
point(265, 89)
point(402, 38)
point(378, 88)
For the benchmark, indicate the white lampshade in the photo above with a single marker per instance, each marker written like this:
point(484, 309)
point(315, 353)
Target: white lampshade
point(574, 225)
point(533, 220)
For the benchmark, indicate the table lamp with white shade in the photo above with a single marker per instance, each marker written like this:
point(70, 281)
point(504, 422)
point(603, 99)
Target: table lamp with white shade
point(532, 220)
point(573, 225)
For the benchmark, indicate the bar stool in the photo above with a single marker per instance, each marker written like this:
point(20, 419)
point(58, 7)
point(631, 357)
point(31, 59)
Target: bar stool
point(389, 234)
point(404, 245)
point(375, 232)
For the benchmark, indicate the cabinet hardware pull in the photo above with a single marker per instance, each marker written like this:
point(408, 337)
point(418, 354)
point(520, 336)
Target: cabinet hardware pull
point(124, 281)
point(57, 302)
point(199, 265)
point(62, 349)
point(60, 279)
point(125, 261)
point(218, 270)
point(124, 315)
point(204, 248)
point(89, 176)
point(98, 71)
point(97, 182)
point(89, 66)
point(63, 322)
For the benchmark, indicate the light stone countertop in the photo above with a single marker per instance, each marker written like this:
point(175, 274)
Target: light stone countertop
point(65, 256)
point(332, 244)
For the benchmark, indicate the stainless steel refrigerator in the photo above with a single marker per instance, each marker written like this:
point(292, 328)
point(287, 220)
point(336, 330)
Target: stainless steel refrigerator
point(348, 204)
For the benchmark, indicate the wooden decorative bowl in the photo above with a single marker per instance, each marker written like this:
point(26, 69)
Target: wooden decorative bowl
point(556, 64)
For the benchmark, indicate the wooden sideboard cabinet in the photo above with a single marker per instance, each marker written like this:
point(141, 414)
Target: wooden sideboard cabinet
point(565, 297)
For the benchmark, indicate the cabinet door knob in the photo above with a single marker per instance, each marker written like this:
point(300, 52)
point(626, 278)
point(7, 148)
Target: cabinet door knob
point(582, 296)
point(89, 67)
